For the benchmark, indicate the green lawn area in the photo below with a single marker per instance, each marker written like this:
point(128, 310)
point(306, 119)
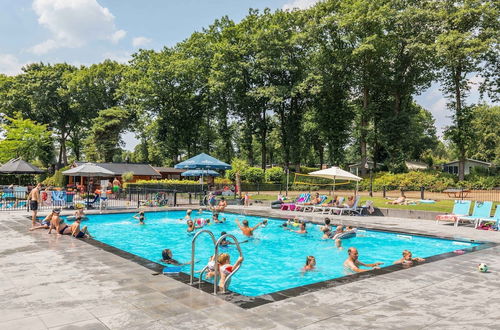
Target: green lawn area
point(444, 206)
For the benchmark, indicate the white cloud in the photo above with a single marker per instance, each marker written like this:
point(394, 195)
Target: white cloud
point(299, 4)
point(10, 65)
point(73, 23)
point(140, 41)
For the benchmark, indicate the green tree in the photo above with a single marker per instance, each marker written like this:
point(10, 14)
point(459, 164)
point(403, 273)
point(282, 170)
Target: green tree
point(26, 139)
point(238, 166)
point(486, 134)
point(461, 46)
point(105, 134)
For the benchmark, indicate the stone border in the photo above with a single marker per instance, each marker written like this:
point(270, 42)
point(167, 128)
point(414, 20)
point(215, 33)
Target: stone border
point(248, 302)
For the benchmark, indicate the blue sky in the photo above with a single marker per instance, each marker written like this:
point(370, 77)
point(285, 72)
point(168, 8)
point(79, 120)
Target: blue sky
point(89, 31)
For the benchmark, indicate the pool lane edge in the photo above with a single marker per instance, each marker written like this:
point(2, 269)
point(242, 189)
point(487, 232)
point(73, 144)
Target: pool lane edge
point(248, 302)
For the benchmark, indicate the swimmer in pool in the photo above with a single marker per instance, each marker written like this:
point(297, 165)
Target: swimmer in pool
point(200, 211)
point(187, 217)
point(225, 242)
point(407, 259)
point(264, 223)
point(191, 226)
point(352, 263)
point(215, 218)
point(326, 229)
point(166, 257)
point(225, 268)
point(246, 229)
point(140, 216)
point(302, 229)
point(310, 264)
point(339, 230)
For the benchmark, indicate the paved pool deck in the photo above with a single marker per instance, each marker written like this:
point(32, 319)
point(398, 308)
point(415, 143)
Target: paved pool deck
point(57, 282)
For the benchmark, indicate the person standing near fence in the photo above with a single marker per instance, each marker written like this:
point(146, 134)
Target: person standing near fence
point(116, 187)
point(34, 200)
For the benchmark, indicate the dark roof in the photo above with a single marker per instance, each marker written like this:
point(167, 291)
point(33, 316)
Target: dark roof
point(120, 168)
point(168, 170)
point(19, 166)
point(470, 160)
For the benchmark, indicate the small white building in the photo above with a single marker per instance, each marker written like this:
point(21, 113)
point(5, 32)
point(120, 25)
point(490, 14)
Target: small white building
point(452, 167)
point(410, 164)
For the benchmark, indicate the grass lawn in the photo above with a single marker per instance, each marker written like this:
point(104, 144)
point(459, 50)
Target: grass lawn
point(444, 206)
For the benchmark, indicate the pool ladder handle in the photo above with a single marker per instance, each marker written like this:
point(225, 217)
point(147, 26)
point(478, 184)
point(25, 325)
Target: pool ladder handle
point(193, 243)
point(216, 253)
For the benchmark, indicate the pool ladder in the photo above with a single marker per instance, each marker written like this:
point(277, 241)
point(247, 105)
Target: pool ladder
point(216, 255)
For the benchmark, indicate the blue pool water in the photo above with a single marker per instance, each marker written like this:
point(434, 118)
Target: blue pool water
point(273, 259)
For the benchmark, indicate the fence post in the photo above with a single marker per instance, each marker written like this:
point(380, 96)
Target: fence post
point(422, 190)
point(175, 198)
point(383, 191)
point(189, 194)
point(138, 202)
point(258, 188)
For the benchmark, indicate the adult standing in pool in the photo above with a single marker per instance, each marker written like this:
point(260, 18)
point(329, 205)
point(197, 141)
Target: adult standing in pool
point(352, 263)
point(34, 200)
point(246, 229)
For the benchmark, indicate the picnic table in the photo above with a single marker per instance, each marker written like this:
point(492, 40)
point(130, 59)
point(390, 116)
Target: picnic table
point(457, 193)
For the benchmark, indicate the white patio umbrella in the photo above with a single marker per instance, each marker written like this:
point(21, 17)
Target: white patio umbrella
point(335, 173)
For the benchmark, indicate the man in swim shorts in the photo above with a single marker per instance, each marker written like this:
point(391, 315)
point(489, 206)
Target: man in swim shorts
point(353, 263)
point(116, 187)
point(246, 229)
point(45, 224)
point(34, 200)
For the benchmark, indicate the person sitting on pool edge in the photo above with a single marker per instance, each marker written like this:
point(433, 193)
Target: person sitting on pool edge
point(140, 216)
point(407, 259)
point(222, 205)
point(58, 224)
point(77, 232)
point(352, 263)
point(45, 224)
point(166, 257)
point(246, 229)
point(225, 268)
point(310, 264)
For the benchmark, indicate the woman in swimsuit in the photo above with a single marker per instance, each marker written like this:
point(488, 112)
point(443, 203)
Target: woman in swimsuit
point(310, 264)
point(58, 224)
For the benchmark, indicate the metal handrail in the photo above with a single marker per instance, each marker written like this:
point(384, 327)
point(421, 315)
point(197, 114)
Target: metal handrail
point(216, 255)
point(193, 250)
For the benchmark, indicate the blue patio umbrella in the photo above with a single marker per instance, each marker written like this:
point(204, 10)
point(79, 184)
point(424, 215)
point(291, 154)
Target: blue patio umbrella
point(203, 162)
point(200, 173)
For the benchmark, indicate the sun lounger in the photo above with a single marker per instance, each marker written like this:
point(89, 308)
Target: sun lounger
point(306, 208)
point(355, 209)
point(325, 209)
point(482, 210)
point(460, 209)
point(495, 217)
point(58, 198)
point(303, 198)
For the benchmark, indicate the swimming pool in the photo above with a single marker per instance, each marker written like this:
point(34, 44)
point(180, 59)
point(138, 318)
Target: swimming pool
point(273, 259)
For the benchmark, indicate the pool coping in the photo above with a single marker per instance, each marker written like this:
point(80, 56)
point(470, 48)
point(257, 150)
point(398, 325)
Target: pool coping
point(248, 302)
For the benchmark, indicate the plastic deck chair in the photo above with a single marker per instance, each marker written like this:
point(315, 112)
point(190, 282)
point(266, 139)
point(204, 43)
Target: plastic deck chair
point(460, 209)
point(495, 217)
point(482, 210)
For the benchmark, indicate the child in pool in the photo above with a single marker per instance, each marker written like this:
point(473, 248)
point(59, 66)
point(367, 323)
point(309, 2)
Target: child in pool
point(140, 216)
point(191, 226)
point(225, 268)
point(326, 229)
point(302, 229)
point(188, 215)
point(407, 259)
point(310, 264)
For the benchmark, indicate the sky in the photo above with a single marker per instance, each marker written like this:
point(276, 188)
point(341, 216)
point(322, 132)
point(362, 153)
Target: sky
point(83, 32)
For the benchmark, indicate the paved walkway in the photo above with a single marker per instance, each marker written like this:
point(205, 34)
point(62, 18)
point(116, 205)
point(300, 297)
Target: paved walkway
point(63, 283)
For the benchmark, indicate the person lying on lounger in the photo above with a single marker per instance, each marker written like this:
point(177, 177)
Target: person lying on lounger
point(315, 201)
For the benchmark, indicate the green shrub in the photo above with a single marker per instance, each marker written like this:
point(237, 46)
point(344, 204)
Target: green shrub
point(253, 175)
point(58, 179)
point(231, 175)
point(433, 181)
point(307, 170)
point(274, 175)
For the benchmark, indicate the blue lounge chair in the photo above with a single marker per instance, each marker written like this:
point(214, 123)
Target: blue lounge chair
point(460, 209)
point(495, 217)
point(482, 210)
point(90, 204)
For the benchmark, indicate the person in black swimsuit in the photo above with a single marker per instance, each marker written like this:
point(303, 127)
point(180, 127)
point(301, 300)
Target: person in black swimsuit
point(58, 224)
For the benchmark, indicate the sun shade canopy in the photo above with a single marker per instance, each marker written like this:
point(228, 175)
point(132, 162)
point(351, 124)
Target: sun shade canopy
point(88, 169)
point(19, 166)
point(335, 173)
point(203, 161)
